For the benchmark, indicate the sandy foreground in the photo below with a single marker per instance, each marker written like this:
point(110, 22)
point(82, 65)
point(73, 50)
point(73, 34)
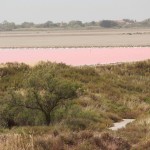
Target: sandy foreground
point(74, 56)
point(76, 38)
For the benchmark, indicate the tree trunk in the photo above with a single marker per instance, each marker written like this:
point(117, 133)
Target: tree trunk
point(48, 119)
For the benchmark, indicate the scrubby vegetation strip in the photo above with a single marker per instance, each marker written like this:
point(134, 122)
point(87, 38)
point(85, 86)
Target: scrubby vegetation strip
point(81, 103)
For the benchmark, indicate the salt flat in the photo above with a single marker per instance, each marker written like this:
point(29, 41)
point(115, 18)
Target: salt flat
point(76, 38)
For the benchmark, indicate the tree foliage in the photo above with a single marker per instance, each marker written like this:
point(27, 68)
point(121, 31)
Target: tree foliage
point(40, 92)
point(46, 92)
point(108, 24)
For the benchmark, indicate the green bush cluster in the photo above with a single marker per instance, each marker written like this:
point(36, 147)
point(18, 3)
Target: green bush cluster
point(77, 97)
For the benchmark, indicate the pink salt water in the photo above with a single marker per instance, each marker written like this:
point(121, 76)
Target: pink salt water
point(75, 56)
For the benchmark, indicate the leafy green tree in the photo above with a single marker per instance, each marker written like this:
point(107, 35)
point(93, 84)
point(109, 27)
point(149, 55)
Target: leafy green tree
point(7, 26)
point(75, 24)
point(46, 92)
point(8, 109)
point(27, 25)
point(108, 24)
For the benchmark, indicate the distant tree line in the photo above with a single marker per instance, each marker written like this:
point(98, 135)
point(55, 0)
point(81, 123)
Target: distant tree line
point(125, 23)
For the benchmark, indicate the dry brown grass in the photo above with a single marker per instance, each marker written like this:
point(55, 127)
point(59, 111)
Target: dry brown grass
point(137, 133)
point(66, 141)
point(16, 142)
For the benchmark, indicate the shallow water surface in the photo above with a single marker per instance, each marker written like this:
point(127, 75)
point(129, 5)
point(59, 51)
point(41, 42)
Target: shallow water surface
point(75, 56)
point(121, 124)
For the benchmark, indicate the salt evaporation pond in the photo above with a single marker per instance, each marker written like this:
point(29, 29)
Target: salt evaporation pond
point(74, 56)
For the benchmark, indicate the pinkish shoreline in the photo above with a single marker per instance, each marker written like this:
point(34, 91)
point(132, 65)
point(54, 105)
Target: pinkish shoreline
point(75, 56)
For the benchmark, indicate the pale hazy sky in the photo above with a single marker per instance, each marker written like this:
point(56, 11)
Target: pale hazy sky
point(39, 11)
